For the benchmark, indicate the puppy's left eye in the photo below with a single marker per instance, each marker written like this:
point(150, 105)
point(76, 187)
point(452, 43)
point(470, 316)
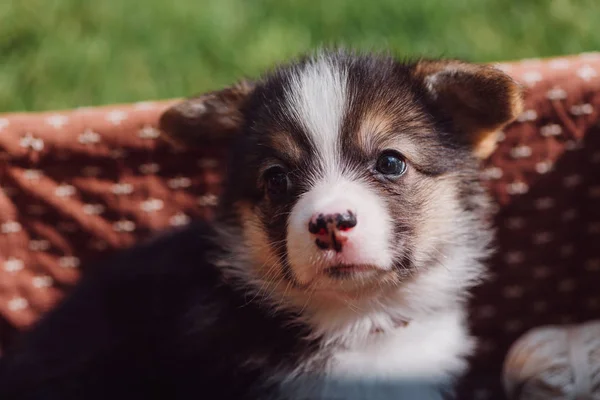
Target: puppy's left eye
point(277, 182)
point(391, 163)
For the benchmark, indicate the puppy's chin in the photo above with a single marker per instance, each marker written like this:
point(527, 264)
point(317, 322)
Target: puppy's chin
point(346, 280)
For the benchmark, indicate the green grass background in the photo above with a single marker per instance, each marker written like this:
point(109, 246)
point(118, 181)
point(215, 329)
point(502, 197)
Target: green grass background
point(61, 54)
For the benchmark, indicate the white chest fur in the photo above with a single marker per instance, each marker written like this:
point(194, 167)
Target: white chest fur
point(432, 348)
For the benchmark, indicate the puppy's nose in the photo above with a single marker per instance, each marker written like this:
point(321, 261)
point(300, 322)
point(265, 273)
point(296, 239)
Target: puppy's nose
point(329, 229)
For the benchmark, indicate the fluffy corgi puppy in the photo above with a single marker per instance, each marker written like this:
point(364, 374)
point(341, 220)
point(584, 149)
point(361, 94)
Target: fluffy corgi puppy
point(350, 230)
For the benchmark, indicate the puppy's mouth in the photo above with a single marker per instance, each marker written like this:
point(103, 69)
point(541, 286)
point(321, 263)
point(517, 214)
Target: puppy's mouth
point(341, 271)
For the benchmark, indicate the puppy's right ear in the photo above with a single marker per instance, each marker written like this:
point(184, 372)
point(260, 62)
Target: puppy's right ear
point(479, 100)
point(212, 118)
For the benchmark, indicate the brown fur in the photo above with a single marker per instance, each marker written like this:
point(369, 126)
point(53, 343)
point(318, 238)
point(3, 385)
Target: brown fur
point(479, 99)
point(213, 117)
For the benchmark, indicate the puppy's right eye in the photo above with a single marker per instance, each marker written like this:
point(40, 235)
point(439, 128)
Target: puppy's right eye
point(277, 182)
point(391, 164)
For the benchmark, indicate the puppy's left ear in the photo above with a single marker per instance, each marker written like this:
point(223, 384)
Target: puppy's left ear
point(212, 118)
point(477, 100)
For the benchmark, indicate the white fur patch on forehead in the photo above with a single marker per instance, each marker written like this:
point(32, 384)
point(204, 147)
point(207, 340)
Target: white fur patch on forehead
point(317, 98)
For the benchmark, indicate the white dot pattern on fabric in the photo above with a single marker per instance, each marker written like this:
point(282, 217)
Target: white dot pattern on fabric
point(32, 174)
point(517, 188)
point(32, 143)
point(179, 219)
point(124, 225)
point(149, 168)
point(179, 183)
point(559, 63)
point(491, 173)
point(152, 205)
point(17, 304)
point(10, 227)
point(93, 209)
point(149, 132)
point(13, 265)
point(532, 77)
point(207, 200)
point(64, 190)
point(573, 145)
point(556, 94)
point(42, 281)
point(521, 151)
point(527, 116)
point(89, 137)
point(56, 201)
point(57, 121)
point(115, 117)
point(587, 73)
point(143, 105)
point(69, 262)
point(544, 166)
point(122, 188)
point(581, 109)
point(39, 245)
point(550, 130)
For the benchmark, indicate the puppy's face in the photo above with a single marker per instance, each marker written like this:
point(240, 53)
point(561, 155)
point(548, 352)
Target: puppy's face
point(351, 174)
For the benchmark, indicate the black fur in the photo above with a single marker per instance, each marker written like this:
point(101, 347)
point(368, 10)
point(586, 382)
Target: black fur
point(159, 321)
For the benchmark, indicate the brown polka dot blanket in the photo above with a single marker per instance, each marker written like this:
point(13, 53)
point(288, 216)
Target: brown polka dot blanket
point(78, 184)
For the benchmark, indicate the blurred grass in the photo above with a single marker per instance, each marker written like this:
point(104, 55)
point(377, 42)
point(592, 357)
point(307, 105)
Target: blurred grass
point(64, 53)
